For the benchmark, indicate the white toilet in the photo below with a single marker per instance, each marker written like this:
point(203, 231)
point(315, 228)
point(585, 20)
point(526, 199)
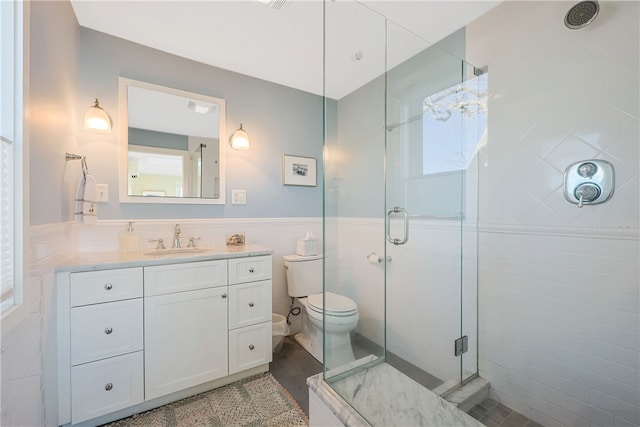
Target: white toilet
point(304, 281)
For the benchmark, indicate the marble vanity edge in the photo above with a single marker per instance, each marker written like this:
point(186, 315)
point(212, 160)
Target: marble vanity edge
point(335, 403)
point(110, 260)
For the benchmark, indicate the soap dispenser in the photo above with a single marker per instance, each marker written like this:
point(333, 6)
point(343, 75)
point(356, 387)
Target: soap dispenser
point(129, 239)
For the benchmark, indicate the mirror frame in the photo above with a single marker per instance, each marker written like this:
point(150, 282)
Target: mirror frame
point(123, 171)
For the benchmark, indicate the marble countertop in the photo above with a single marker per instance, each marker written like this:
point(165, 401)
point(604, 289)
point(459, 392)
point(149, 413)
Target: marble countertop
point(108, 260)
point(383, 396)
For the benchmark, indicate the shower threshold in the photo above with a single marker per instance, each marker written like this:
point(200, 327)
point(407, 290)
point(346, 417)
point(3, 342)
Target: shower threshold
point(382, 395)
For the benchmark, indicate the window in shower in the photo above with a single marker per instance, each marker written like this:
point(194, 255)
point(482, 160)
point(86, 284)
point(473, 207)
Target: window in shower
point(445, 131)
point(454, 122)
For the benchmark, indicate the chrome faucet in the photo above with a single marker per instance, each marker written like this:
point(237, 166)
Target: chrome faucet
point(176, 236)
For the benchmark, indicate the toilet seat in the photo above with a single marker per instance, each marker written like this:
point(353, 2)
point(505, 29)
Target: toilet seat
point(333, 305)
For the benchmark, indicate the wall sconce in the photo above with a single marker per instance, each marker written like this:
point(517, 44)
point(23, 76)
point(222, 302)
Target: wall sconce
point(96, 119)
point(239, 140)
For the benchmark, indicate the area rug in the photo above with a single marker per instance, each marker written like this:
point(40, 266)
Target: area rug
point(255, 401)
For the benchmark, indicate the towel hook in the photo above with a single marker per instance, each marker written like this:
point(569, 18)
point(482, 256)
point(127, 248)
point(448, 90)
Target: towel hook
point(85, 168)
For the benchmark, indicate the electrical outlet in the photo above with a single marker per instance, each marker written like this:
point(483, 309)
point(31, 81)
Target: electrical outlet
point(102, 193)
point(238, 197)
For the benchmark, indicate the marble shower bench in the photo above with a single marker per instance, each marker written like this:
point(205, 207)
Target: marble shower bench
point(385, 397)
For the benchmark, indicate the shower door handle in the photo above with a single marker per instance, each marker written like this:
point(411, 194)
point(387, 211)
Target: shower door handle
point(405, 218)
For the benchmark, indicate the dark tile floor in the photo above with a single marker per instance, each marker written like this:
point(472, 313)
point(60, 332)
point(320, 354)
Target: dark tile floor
point(293, 365)
point(492, 414)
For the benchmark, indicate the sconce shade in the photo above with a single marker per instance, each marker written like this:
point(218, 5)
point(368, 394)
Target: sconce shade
point(96, 119)
point(239, 139)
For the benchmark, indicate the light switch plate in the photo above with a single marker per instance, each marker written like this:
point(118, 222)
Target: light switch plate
point(238, 197)
point(102, 193)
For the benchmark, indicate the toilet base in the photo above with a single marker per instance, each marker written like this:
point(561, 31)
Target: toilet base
point(338, 355)
point(308, 345)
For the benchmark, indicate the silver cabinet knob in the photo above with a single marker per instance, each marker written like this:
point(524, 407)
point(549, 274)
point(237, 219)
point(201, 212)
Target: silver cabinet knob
point(224, 295)
point(108, 286)
point(251, 304)
point(251, 270)
point(251, 347)
point(108, 331)
point(108, 387)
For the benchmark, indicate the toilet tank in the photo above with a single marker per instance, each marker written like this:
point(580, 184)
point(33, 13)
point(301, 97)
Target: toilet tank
point(304, 275)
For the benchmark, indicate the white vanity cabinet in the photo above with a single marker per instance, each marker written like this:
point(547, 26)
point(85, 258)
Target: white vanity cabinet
point(185, 325)
point(105, 338)
point(132, 339)
point(249, 312)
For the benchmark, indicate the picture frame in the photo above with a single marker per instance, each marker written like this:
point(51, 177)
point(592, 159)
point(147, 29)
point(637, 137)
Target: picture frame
point(298, 170)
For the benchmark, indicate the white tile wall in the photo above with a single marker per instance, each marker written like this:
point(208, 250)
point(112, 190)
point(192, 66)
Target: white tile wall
point(423, 291)
point(27, 346)
point(559, 286)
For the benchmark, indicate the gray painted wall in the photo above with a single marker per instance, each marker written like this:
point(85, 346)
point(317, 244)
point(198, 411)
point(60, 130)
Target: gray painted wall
point(150, 138)
point(356, 173)
point(53, 116)
point(279, 121)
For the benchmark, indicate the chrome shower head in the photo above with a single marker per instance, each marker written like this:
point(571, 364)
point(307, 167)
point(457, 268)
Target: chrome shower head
point(581, 15)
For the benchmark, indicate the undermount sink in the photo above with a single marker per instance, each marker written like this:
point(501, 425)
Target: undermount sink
point(175, 251)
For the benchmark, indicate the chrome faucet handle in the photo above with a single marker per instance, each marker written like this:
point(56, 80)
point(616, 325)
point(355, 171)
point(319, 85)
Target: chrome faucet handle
point(160, 243)
point(192, 243)
point(176, 236)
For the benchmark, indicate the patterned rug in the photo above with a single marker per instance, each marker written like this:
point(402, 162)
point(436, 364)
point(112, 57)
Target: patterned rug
point(255, 401)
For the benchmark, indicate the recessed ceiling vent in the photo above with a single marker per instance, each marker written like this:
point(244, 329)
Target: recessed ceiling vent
point(274, 4)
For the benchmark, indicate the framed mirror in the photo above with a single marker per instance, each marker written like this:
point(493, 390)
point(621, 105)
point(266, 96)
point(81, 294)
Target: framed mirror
point(170, 145)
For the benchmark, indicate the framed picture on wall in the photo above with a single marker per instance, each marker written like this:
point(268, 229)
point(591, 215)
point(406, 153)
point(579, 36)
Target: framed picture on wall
point(297, 170)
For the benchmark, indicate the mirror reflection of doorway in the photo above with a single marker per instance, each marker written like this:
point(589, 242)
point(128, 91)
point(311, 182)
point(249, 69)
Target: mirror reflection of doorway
point(156, 172)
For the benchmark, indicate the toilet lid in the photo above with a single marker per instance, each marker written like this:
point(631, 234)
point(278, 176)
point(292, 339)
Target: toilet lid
point(334, 304)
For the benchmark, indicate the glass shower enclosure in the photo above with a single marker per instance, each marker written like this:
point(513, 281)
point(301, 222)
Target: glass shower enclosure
point(401, 173)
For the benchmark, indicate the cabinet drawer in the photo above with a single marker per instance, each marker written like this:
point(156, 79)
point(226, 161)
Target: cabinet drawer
point(104, 330)
point(106, 386)
point(249, 347)
point(249, 303)
point(252, 269)
point(91, 287)
point(167, 279)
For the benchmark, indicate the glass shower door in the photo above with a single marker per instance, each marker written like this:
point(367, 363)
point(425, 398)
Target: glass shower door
point(430, 193)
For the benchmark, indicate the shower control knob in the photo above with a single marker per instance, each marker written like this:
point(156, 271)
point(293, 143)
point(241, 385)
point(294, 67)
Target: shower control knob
point(587, 170)
point(589, 182)
point(586, 193)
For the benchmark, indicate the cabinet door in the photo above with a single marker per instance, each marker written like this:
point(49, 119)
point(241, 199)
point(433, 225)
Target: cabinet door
point(249, 304)
point(185, 341)
point(103, 330)
point(249, 347)
point(106, 386)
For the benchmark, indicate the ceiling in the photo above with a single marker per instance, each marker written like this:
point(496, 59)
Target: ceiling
point(285, 45)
